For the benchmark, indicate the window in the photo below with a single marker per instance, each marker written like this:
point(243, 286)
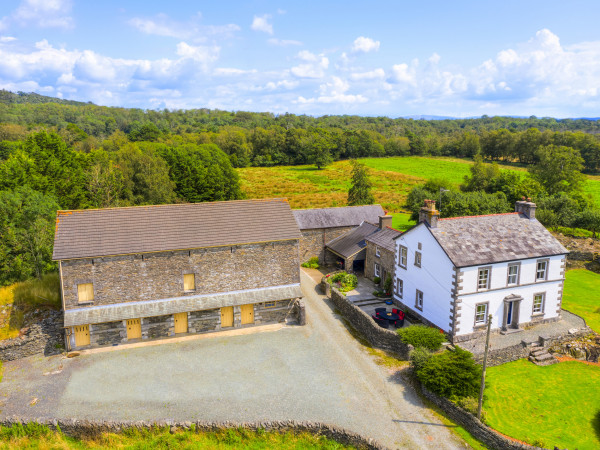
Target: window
point(85, 292)
point(402, 256)
point(483, 280)
point(377, 251)
point(538, 303)
point(542, 270)
point(481, 313)
point(189, 282)
point(513, 274)
point(377, 272)
point(419, 300)
point(400, 287)
point(269, 304)
point(418, 259)
point(420, 246)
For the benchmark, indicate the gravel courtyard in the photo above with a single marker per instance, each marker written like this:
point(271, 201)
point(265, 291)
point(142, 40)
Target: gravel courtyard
point(317, 373)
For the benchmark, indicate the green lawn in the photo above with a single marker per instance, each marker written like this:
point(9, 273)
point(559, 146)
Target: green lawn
point(582, 296)
point(545, 406)
point(402, 222)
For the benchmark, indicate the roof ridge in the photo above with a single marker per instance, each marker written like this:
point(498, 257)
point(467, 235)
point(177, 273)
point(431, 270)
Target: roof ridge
point(337, 207)
point(480, 215)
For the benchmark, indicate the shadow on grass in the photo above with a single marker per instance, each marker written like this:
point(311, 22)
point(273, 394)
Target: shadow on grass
point(596, 424)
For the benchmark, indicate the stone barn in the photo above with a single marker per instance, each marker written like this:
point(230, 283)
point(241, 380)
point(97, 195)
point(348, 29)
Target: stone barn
point(321, 225)
point(151, 272)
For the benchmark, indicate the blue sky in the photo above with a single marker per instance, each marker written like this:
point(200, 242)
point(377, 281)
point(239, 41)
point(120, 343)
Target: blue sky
point(393, 58)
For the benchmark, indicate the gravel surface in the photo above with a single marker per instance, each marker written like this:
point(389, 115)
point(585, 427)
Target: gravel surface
point(316, 373)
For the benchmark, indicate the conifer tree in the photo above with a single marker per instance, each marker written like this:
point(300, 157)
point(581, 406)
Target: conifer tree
point(360, 191)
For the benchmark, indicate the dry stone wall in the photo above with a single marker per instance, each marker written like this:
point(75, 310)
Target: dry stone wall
point(131, 278)
point(46, 337)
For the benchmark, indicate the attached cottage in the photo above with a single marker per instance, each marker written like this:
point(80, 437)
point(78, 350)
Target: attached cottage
point(150, 272)
point(348, 251)
point(453, 273)
point(380, 254)
point(321, 225)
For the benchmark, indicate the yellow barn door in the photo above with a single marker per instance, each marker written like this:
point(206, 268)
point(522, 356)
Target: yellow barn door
point(82, 335)
point(181, 322)
point(227, 317)
point(247, 314)
point(134, 328)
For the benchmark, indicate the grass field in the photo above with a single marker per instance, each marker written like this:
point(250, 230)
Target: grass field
point(546, 406)
point(37, 436)
point(582, 296)
point(392, 178)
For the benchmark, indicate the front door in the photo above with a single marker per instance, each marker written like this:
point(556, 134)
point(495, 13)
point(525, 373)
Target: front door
point(134, 328)
point(247, 312)
point(509, 314)
point(181, 322)
point(227, 317)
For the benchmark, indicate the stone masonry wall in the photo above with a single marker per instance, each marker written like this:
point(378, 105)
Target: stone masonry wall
point(274, 314)
point(312, 242)
point(385, 261)
point(203, 321)
point(86, 429)
point(109, 333)
point(154, 276)
point(46, 337)
point(378, 337)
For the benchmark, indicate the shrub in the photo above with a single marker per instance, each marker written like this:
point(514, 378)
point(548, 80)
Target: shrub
point(422, 336)
point(418, 357)
point(471, 404)
point(452, 374)
point(387, 286)
point(345, 282)
point(39, 292)
point(312, 263)
point(376, 280)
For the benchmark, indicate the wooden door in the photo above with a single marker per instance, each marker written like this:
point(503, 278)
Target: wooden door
point(181, 322)
point(134, 328)
point(227, 317)
point(247, 314)
point(82, 335)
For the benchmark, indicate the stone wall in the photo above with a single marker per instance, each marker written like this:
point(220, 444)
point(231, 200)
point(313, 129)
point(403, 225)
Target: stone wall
point(204, 321)
point(46, 337)
point(158, 327)
point(85, 429)
point(272, 314)
point(480, 431)
point(110, 333)
point(130, 278)
point(378, 337)
point(312, 242)
point(386, 261)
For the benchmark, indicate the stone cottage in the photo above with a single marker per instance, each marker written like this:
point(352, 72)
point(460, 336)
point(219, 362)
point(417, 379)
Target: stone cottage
point(380, 252)
point(348, 251)
point(321, 225)
point(150, 272)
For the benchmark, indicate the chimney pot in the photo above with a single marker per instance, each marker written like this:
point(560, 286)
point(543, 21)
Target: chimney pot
point(429, 214)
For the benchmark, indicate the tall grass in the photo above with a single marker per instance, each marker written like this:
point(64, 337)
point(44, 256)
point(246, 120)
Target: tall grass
point(36, 293)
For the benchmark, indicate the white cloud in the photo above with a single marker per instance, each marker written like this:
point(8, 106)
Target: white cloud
point(7, 38)
point(334, 91)
point(201, 53)
point(44, 13)
point(162, 25)
point(376, 74)
point(283, 42)
point(365, 45)
point(314, 66)
point(261, 23)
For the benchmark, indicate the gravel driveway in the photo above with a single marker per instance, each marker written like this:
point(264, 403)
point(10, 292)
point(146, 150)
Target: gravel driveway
point(317, 373)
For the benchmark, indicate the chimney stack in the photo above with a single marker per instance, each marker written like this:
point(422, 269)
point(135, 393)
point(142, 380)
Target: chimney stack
point(385, 221)
point(429, 214)
point(526, 207)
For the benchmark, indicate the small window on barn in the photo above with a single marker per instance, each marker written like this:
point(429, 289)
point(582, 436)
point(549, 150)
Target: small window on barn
point(377, 271)
point(189, 282)
point(269, 304)
point(377, 253)
point(85, 292)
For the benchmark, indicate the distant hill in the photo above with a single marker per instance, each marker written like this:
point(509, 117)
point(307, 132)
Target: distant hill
point(32, 97)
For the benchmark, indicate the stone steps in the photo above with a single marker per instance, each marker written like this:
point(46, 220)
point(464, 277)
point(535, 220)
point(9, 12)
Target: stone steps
point(541, 357)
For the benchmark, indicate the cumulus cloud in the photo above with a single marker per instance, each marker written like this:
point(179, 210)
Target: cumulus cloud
point(261, 23)
point(283, 42)
point(313, 66)
point(376, 74)
point(162, 25)
point(44, 13)
point(365, 45)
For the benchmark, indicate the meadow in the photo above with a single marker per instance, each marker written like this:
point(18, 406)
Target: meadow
point(392, 178)
point(548, 406)
point(582, 297)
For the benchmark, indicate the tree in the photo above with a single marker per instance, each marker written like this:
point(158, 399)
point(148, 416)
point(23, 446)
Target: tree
point(360, 191)
point(558, 169)
point(104, 181)
point(481, 174)
point(318, 147)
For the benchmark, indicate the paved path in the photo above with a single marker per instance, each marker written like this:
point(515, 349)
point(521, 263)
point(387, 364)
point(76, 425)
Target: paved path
point(317, 372)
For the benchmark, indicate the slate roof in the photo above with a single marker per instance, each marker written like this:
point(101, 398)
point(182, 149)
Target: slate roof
point(347, 216)
point(143, 229)
point(353, 241)
point(385, 238)
point(477, 240)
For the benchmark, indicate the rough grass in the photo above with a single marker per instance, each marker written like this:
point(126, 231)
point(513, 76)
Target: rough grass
point(36, 293)
point(10, 319)
point(37, 436)
point(549, 406)
point(582, 296)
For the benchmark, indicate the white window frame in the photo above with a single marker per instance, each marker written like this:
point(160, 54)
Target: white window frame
point(419, 300)
point(377, 270)
point(542, 303)
point(402, 256)
point(488, 279)
point(516, 275)
point(418, 259)
point(377, 252)
point(479, 319)
point(544, 271)
point(400, 288)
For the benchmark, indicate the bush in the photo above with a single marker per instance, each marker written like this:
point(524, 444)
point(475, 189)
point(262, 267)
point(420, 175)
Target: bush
point(471, 404)
point(344, 281)
point(312, 263)
point(418, 357)
point(376, 280)
point(39, 292)
point(451, 374)
point(387, 286)
point(422, 336)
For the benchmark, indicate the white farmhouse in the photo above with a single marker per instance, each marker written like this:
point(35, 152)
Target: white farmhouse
point(453, 272)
